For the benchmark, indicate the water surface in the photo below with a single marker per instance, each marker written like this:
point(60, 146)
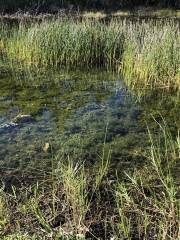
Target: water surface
point(78, 114)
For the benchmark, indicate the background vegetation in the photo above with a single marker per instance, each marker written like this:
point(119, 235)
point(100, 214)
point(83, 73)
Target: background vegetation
point(54, 5)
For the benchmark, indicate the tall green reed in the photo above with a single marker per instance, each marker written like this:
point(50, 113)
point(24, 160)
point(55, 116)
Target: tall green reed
point(86, 43)
point(146, 53)
point(153, 57)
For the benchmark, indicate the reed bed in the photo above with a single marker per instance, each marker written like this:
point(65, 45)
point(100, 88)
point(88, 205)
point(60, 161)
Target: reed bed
point(146, 53)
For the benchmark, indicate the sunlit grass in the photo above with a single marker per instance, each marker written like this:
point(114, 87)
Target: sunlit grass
point(153, 60)
point(147, 54)
point(147, 202)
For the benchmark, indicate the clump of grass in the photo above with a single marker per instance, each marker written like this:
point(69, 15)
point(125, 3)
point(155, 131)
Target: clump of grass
point(67, 43)
point(79, 191)
point(74, 182)
point(147, 54)
point(148, 204)
point(153, 59)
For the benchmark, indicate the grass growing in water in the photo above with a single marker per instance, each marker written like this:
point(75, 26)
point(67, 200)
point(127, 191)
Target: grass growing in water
point(144, 206)
point(146, 53)
point(148, 203)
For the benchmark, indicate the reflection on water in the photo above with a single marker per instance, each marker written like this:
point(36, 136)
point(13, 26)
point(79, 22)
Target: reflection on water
point(72, 112)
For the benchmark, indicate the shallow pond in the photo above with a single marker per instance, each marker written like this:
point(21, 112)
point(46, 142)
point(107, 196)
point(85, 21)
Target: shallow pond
point(75, 114)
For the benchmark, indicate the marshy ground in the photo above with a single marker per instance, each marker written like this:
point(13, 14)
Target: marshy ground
point(100, 160)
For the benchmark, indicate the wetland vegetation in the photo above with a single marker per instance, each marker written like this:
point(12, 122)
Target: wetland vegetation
point(145, 53)
point(97, 154)
point(77, 203)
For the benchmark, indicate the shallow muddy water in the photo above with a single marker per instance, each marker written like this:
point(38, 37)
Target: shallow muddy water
point(75, 114)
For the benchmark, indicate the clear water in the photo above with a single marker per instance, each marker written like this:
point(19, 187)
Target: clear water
point(78, 114)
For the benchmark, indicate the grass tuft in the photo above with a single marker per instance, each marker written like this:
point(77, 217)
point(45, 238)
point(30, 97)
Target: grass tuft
point(148, 203)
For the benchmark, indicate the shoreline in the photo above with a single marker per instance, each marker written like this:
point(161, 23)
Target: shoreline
point(64, 13)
